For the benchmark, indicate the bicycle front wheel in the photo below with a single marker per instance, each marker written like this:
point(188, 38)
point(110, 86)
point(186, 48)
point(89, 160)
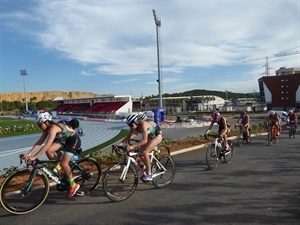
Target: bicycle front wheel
point(240, 138)
point(229, 154)
point(19, 195)
point(163, 171)
point(87, 173)
point(119, 184)
point(212, 158)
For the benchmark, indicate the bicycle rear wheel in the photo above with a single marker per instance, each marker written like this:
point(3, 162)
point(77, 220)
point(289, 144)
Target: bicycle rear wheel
point(19, 196)
point(228, 154)
point(212, 157)
point(269, 135)
point(117, 189)
point(87, 173)
point(162, 149)
point(165, 163)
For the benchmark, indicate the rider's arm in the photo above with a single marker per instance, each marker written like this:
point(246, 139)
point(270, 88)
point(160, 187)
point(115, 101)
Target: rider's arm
point(127, 138)
point(237, 122)
point(37, 145)
point(51, 136)
point(144, 133)
point(210, 126)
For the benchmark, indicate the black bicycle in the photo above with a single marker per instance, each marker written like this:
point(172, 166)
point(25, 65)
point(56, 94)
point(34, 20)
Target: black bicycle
point(26, 189)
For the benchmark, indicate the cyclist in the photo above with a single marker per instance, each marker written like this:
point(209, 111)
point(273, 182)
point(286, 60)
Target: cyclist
point(245, 121)
point(57, 137)
point(151, 137)
point(292, 118)
point(274, 120)
point(223, 127)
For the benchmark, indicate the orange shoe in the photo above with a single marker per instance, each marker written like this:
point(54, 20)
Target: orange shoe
point(73, 190)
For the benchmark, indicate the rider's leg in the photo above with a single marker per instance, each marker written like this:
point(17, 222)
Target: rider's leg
point(145, 149)
point(54, 151)
point(247, 127)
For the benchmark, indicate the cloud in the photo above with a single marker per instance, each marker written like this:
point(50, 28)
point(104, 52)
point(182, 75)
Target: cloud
point(205, 39)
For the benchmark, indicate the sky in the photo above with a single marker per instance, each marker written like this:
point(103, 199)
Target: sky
point(110, 46)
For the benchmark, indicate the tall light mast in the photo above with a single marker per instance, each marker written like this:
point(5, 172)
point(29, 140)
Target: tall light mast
point(23, 74)
point(159, 80)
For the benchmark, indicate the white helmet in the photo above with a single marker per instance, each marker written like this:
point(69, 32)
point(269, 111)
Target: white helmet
point(131, 119)
point(43, 117)
point(291, 112)
point(142, 116)
point(271, 113)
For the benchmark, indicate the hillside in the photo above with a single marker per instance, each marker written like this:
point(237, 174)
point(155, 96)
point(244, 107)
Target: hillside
point(44, 96)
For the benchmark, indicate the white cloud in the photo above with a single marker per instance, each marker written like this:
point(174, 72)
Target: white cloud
point(205, 39)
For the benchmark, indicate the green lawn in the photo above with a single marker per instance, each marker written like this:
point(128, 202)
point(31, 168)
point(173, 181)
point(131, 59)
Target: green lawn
point(13, 126)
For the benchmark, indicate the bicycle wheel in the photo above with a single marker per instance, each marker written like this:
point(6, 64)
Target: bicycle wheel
point(165, 163)
point(228, 154)
point(269, 135)
point(87, 173)
point(212, 158)
point(117, 189)
point(240, 138)
point(162, 149)
point(19, 196)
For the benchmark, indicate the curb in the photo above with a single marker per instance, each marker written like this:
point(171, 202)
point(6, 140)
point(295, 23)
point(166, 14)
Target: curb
point(204, 145)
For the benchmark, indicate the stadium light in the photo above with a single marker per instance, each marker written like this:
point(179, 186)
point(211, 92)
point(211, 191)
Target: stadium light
point(24, 73)
point(159, 81)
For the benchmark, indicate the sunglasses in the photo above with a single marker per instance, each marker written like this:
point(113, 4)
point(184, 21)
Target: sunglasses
point(131, 125)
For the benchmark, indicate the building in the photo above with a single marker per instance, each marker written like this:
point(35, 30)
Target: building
point(282, 91)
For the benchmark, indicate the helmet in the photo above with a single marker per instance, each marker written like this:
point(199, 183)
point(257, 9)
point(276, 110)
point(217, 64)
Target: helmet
point(243, 113)
point(271, 113)
point(215, 115)
point(290, 112)
point(142, 116)
point(131, 119)
point(43, 117)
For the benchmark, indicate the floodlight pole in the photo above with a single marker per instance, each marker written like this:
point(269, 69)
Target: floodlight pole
point(24, 73)
point(158, 24)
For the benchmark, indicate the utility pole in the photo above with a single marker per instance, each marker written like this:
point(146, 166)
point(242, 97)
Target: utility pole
point(24, 73)
point(159, 80)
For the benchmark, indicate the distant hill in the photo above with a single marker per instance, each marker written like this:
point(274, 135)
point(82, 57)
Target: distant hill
point(45, 95)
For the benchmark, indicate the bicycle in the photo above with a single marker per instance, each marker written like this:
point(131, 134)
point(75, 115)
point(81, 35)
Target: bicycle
point(273, 134)
point(216, 151)
point(292, 131)
point(26, 189)
point(121, 179)
point(242, 136)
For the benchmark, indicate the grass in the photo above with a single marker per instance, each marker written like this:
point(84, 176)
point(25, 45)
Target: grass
point(13, 126)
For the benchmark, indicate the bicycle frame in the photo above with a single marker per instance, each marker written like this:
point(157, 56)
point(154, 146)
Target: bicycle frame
point(130, 159)
point(40, 165)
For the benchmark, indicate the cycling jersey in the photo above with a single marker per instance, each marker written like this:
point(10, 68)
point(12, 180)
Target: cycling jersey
point(221, 124)
point(292, 118)
point(153, 130)
point(68, 140)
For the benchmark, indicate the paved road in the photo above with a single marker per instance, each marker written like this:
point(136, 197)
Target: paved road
point(260, 186)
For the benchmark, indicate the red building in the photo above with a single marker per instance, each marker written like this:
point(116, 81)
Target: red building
point(282, 91)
